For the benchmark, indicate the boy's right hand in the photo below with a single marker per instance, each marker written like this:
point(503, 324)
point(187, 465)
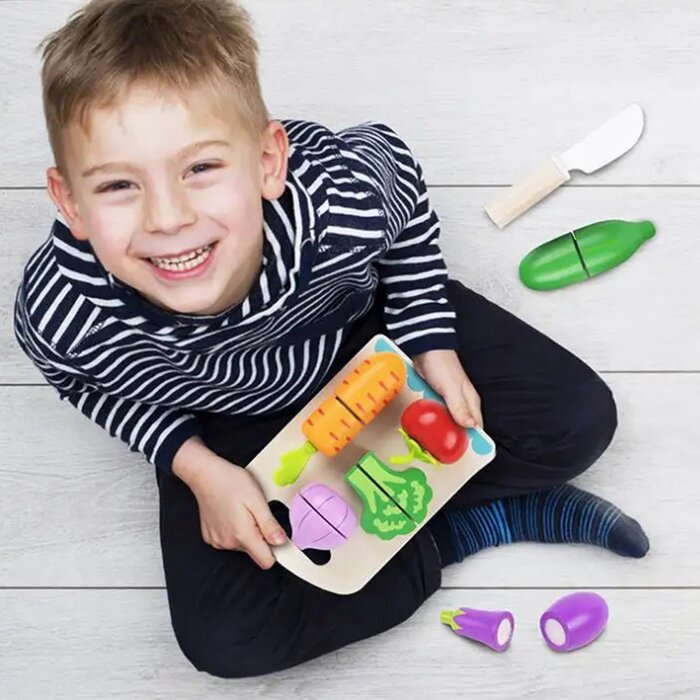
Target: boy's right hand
point(233, 511)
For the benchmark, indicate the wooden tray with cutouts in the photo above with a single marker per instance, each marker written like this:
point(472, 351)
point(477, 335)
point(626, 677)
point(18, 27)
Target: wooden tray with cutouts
point(363, 467)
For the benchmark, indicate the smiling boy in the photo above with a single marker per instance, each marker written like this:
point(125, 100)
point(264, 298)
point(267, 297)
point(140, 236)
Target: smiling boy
point(211, 268)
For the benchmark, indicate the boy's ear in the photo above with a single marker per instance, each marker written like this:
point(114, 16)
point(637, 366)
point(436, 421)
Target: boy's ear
point(273, 160)
point(60, 192)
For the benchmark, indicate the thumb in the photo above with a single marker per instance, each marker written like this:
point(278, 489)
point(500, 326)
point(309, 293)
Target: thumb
point(271, 530)
point(458, 407)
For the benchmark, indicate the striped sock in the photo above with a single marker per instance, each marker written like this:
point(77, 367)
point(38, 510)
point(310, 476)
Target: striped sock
point(561, 514)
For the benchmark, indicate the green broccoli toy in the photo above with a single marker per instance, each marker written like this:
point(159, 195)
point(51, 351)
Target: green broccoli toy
point(394, 501)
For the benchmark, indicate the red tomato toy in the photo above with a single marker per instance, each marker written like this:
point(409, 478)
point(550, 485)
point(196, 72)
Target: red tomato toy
point(431, 434)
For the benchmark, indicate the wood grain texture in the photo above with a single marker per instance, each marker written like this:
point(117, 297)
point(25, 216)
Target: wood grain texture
point(639, 316)
point(81, 645)
point(482, 90)
point(80, 510)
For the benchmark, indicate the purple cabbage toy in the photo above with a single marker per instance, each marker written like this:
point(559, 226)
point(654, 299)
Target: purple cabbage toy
point(494, 628)
point(574, 621)
point(320, 518)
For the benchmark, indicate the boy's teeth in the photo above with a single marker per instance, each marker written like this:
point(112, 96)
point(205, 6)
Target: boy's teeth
point(183, 262)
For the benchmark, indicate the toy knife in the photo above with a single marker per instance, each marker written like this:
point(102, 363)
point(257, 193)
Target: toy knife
point(607, 143)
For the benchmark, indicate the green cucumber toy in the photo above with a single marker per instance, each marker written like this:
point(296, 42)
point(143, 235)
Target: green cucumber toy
point(583, 253)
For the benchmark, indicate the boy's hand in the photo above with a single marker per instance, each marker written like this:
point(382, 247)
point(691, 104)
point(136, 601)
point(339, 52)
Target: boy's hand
point(233, 511)
point(445, 374)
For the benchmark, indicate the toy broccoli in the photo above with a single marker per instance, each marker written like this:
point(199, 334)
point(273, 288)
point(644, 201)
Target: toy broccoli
point(394, 501)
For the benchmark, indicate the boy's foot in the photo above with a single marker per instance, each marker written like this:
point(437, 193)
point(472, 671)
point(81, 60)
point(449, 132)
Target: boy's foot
point(561, 514)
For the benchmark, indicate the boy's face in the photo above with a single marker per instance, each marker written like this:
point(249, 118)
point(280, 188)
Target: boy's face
point(183, 227)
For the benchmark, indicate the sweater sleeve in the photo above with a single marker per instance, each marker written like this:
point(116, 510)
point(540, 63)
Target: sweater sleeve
point(418, 313)
point(157, 432)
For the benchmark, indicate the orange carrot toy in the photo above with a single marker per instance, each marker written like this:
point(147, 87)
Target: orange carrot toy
point(357, 400)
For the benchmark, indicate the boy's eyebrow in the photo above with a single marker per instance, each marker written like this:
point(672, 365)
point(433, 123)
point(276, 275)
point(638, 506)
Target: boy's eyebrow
point(180, 154)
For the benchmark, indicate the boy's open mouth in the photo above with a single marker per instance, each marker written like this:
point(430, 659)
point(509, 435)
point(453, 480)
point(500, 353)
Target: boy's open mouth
point(194, 263)
point(184, 263)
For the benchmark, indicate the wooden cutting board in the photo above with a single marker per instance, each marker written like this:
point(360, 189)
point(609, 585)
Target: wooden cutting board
point(356, 561)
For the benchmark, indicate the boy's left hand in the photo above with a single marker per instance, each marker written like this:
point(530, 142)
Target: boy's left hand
point(445, 374)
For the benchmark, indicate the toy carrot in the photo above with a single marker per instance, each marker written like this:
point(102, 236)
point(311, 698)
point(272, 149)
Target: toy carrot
point(356, 402)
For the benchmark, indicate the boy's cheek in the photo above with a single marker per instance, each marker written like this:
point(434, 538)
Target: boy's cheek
point(236, 206)
point(112, 247)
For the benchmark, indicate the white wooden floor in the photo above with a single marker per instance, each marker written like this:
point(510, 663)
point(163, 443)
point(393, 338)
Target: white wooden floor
point(482, 90)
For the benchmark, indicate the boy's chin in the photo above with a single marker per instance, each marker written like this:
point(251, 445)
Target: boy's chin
point(192, 306)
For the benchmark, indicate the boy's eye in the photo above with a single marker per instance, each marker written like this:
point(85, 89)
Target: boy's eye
point(113, 187)
point(208, 166)
point(116, 186)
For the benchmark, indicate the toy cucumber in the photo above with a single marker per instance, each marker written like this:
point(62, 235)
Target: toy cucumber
point(583, 253)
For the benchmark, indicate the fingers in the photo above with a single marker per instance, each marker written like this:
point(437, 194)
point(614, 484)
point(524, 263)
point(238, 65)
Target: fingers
point(459, 408)
point(245, 535)
point(464, 404)
point(250, 540)
point(443, 371)
point(267, 531)
point(258, 549)
point(473, 401)
point(267, 524)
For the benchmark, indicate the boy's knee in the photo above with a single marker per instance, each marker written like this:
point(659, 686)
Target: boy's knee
point(573, 432)
point(213, 644)
point(588, 424)
point(211, 651)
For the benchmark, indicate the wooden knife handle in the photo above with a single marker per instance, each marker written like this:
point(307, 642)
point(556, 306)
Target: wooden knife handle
point(518, 198)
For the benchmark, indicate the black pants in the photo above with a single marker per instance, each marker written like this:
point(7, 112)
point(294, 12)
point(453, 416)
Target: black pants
point(550, 415)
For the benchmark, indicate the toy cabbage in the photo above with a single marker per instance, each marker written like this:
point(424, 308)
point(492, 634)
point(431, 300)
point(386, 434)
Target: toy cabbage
point(394, 501)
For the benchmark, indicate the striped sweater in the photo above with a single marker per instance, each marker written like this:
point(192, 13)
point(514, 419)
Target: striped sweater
point(354, 214)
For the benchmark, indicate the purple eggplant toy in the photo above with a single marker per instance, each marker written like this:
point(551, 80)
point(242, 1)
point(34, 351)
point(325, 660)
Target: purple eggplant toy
point(574, 621)
point(320, 518)
point(494, 628)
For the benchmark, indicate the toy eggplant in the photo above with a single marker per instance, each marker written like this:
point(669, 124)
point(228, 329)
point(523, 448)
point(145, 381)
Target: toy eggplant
point(584, 253)
point(431, 434)
point(356, 402)
point(574, 621)
point(494, 628)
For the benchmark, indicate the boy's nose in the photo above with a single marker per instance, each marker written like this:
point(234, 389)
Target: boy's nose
point(167, 211)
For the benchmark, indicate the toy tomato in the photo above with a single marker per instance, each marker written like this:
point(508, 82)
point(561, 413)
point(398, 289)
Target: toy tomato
point(431, 434)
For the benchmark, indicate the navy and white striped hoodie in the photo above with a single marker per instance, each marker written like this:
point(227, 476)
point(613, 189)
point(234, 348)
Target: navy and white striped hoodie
point(354, 214)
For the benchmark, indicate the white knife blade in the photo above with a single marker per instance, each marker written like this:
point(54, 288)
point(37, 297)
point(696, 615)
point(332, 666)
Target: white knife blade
point(607, 143)
point(601, 147)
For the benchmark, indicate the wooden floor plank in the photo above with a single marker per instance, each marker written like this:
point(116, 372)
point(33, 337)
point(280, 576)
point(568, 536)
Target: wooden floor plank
point(80, 510)
point(81, 645)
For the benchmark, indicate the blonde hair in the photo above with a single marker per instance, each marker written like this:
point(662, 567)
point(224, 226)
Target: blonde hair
point(169, 45)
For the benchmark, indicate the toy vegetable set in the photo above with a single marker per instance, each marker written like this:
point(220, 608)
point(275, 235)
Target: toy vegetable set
point(376, 454)
point(570, 623)
point(576, 620)
point(364, 466)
